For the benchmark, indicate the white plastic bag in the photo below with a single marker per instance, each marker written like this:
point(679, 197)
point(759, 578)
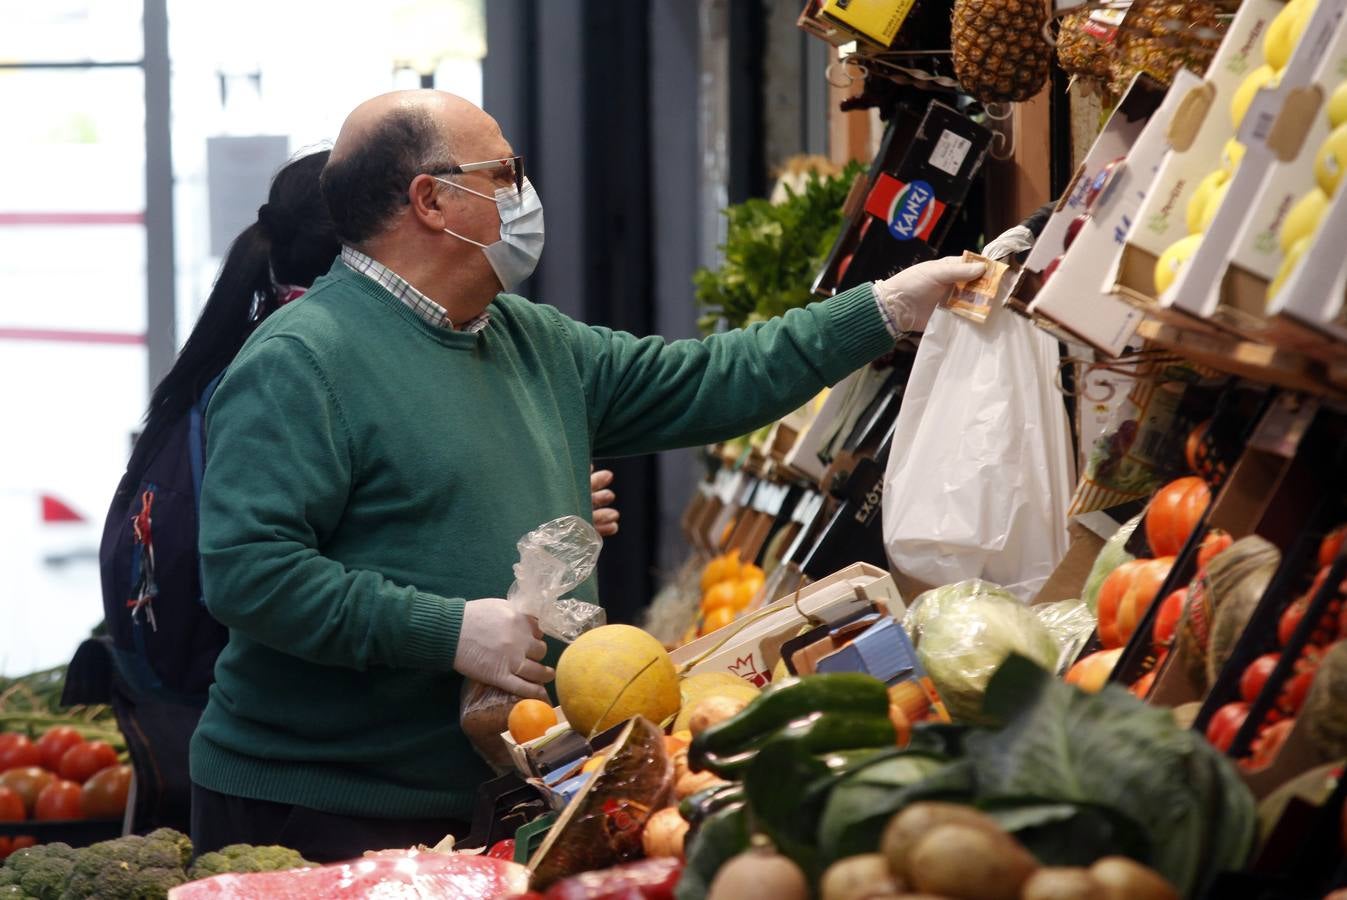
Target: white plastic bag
point(553, 558)
point(980, 474)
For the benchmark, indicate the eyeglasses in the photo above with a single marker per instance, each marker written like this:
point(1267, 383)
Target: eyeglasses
point(514, 163)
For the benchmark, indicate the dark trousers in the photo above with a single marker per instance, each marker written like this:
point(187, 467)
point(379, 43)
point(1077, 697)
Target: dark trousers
point(221, 819)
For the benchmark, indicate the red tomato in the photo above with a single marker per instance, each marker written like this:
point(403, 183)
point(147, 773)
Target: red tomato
point(1167, 618)
point(82, 761)
point(11, 806)
point(1141, 593)
point(27, 782)
point(1225, 724)
point(5, 847)
point(1091, 673)
point(1192, 448)
point(22, 842)
point(1268, 744)
point(1331, 544)
point(55, 743)
point(1294, 692)
point(502, 849)
point(18, 751)
point(104, 795)
point(1212, 545)
point(1342, 623)
point(1256, 675)
point(1290, 619)
point(58, 801)
point(1174, 513)
point(1141, 688)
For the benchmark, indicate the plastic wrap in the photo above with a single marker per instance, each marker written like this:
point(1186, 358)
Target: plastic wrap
point(602, 826)
point(1071, 623)
point(553, 558)
point(391, 875)
point(963, 632)
point(979, 483)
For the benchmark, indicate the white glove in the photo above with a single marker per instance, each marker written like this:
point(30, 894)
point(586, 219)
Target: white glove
point(500, 646)
point(911, 296)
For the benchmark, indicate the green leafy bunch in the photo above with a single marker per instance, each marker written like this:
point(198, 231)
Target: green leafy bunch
point(772, 252)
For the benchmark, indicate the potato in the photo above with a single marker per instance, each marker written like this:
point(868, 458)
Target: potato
point(693, 782)
point(664, 834)
point(858, 878)
point(759, 873)
point(969, 862)
point(1062, 884)
point(712, 711)
point(913, 823)
point(1127, 879)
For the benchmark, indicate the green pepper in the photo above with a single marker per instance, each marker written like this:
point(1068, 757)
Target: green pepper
point(820, 732)
point(785, 701)
point(709, 801)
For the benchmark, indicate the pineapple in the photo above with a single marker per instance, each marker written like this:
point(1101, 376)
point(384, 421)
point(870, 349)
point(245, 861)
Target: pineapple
point(1160, 38)
point(999, 52)
point(1087, 43)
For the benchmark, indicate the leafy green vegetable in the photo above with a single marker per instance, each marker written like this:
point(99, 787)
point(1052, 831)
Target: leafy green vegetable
point(863, 801)
point(773, 252)
point(720, 837)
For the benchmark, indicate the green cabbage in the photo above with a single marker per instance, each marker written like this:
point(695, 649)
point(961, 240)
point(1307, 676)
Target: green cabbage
point(964, 631)
point(1111, 555)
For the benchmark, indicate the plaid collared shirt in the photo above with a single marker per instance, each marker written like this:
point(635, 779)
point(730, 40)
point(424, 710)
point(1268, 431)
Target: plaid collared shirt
point(399, 287)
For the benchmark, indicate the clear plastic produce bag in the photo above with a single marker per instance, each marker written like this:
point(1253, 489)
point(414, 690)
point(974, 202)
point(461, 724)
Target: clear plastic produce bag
point(553, 558)
point(981, 473)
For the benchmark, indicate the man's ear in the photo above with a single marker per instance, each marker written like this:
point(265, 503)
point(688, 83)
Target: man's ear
point(421, 196)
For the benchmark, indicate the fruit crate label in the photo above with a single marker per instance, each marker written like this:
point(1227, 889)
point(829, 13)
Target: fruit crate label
point(911, 211)
point(950, 152)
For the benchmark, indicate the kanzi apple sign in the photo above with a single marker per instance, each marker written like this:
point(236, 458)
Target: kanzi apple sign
point(911, 210)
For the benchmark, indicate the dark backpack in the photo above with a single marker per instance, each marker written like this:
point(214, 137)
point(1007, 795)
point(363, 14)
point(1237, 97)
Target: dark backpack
point(164, 641)
point(156, 662)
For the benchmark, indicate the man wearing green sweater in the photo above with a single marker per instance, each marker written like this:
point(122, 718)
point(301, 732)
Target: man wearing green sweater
point(380, 444)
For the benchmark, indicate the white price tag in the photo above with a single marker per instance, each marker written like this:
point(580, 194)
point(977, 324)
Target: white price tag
point(950, 152)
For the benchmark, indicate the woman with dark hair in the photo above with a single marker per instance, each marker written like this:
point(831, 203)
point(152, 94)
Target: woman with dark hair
point(162, 641)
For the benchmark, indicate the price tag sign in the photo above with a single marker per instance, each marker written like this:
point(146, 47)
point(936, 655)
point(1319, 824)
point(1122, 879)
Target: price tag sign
point(1284, 425)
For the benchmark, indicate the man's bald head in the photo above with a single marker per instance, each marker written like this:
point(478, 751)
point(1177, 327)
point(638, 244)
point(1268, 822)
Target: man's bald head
point(386, 142)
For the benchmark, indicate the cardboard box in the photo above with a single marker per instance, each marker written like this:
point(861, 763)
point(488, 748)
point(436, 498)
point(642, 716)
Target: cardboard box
point(1073, 297)
point(874, 21)
point(1197, 289)
point(919, 179)
point(1197, 130)
point(751, 648)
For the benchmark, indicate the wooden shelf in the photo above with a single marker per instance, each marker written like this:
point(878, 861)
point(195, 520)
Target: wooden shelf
point(1247, 359)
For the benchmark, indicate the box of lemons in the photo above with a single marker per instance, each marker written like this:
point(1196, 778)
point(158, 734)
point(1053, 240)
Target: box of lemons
point(1197, 215)
point(1285, 32)
point(1232, 154)
point(1261, 77)
point(1172, 261)
point(1337, 106)
point(1331, 160)
point(1303, 219)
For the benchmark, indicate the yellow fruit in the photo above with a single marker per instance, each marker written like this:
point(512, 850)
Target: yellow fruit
point(1303, 219)
point(612, 673)
point(1261, 77)
point(1337, 106)
point(530, 719)
point(1278, 44)
point(1231, 156)
point(709, 684)
point(1173, 259)
point(1289, 263)
point(1197, 204)
point(723, 568)
point(1331, 160)
point(724, 594)
point(744, 589)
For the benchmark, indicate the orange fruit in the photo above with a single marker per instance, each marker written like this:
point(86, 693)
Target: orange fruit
point(717, 618)
point(530, 719)
point(723, 568)
point(724, 594)
point(744, 590)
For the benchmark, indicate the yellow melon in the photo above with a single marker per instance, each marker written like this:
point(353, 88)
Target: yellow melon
point(613, 673)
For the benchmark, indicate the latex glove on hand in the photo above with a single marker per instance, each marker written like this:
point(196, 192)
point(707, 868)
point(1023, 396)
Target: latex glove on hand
point(913, 294)
point(500, 646)
point(602, 499)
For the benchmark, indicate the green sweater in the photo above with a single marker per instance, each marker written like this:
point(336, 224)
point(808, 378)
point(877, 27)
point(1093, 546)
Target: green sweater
point(367, 473)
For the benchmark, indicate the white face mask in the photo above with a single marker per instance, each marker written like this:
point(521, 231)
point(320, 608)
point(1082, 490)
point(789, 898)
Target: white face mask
point(513, 257)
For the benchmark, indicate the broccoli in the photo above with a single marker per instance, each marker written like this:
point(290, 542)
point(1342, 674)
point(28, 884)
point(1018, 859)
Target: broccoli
point(246, 858)
point(14, 892)
point(130, 868)
point(40, 871)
